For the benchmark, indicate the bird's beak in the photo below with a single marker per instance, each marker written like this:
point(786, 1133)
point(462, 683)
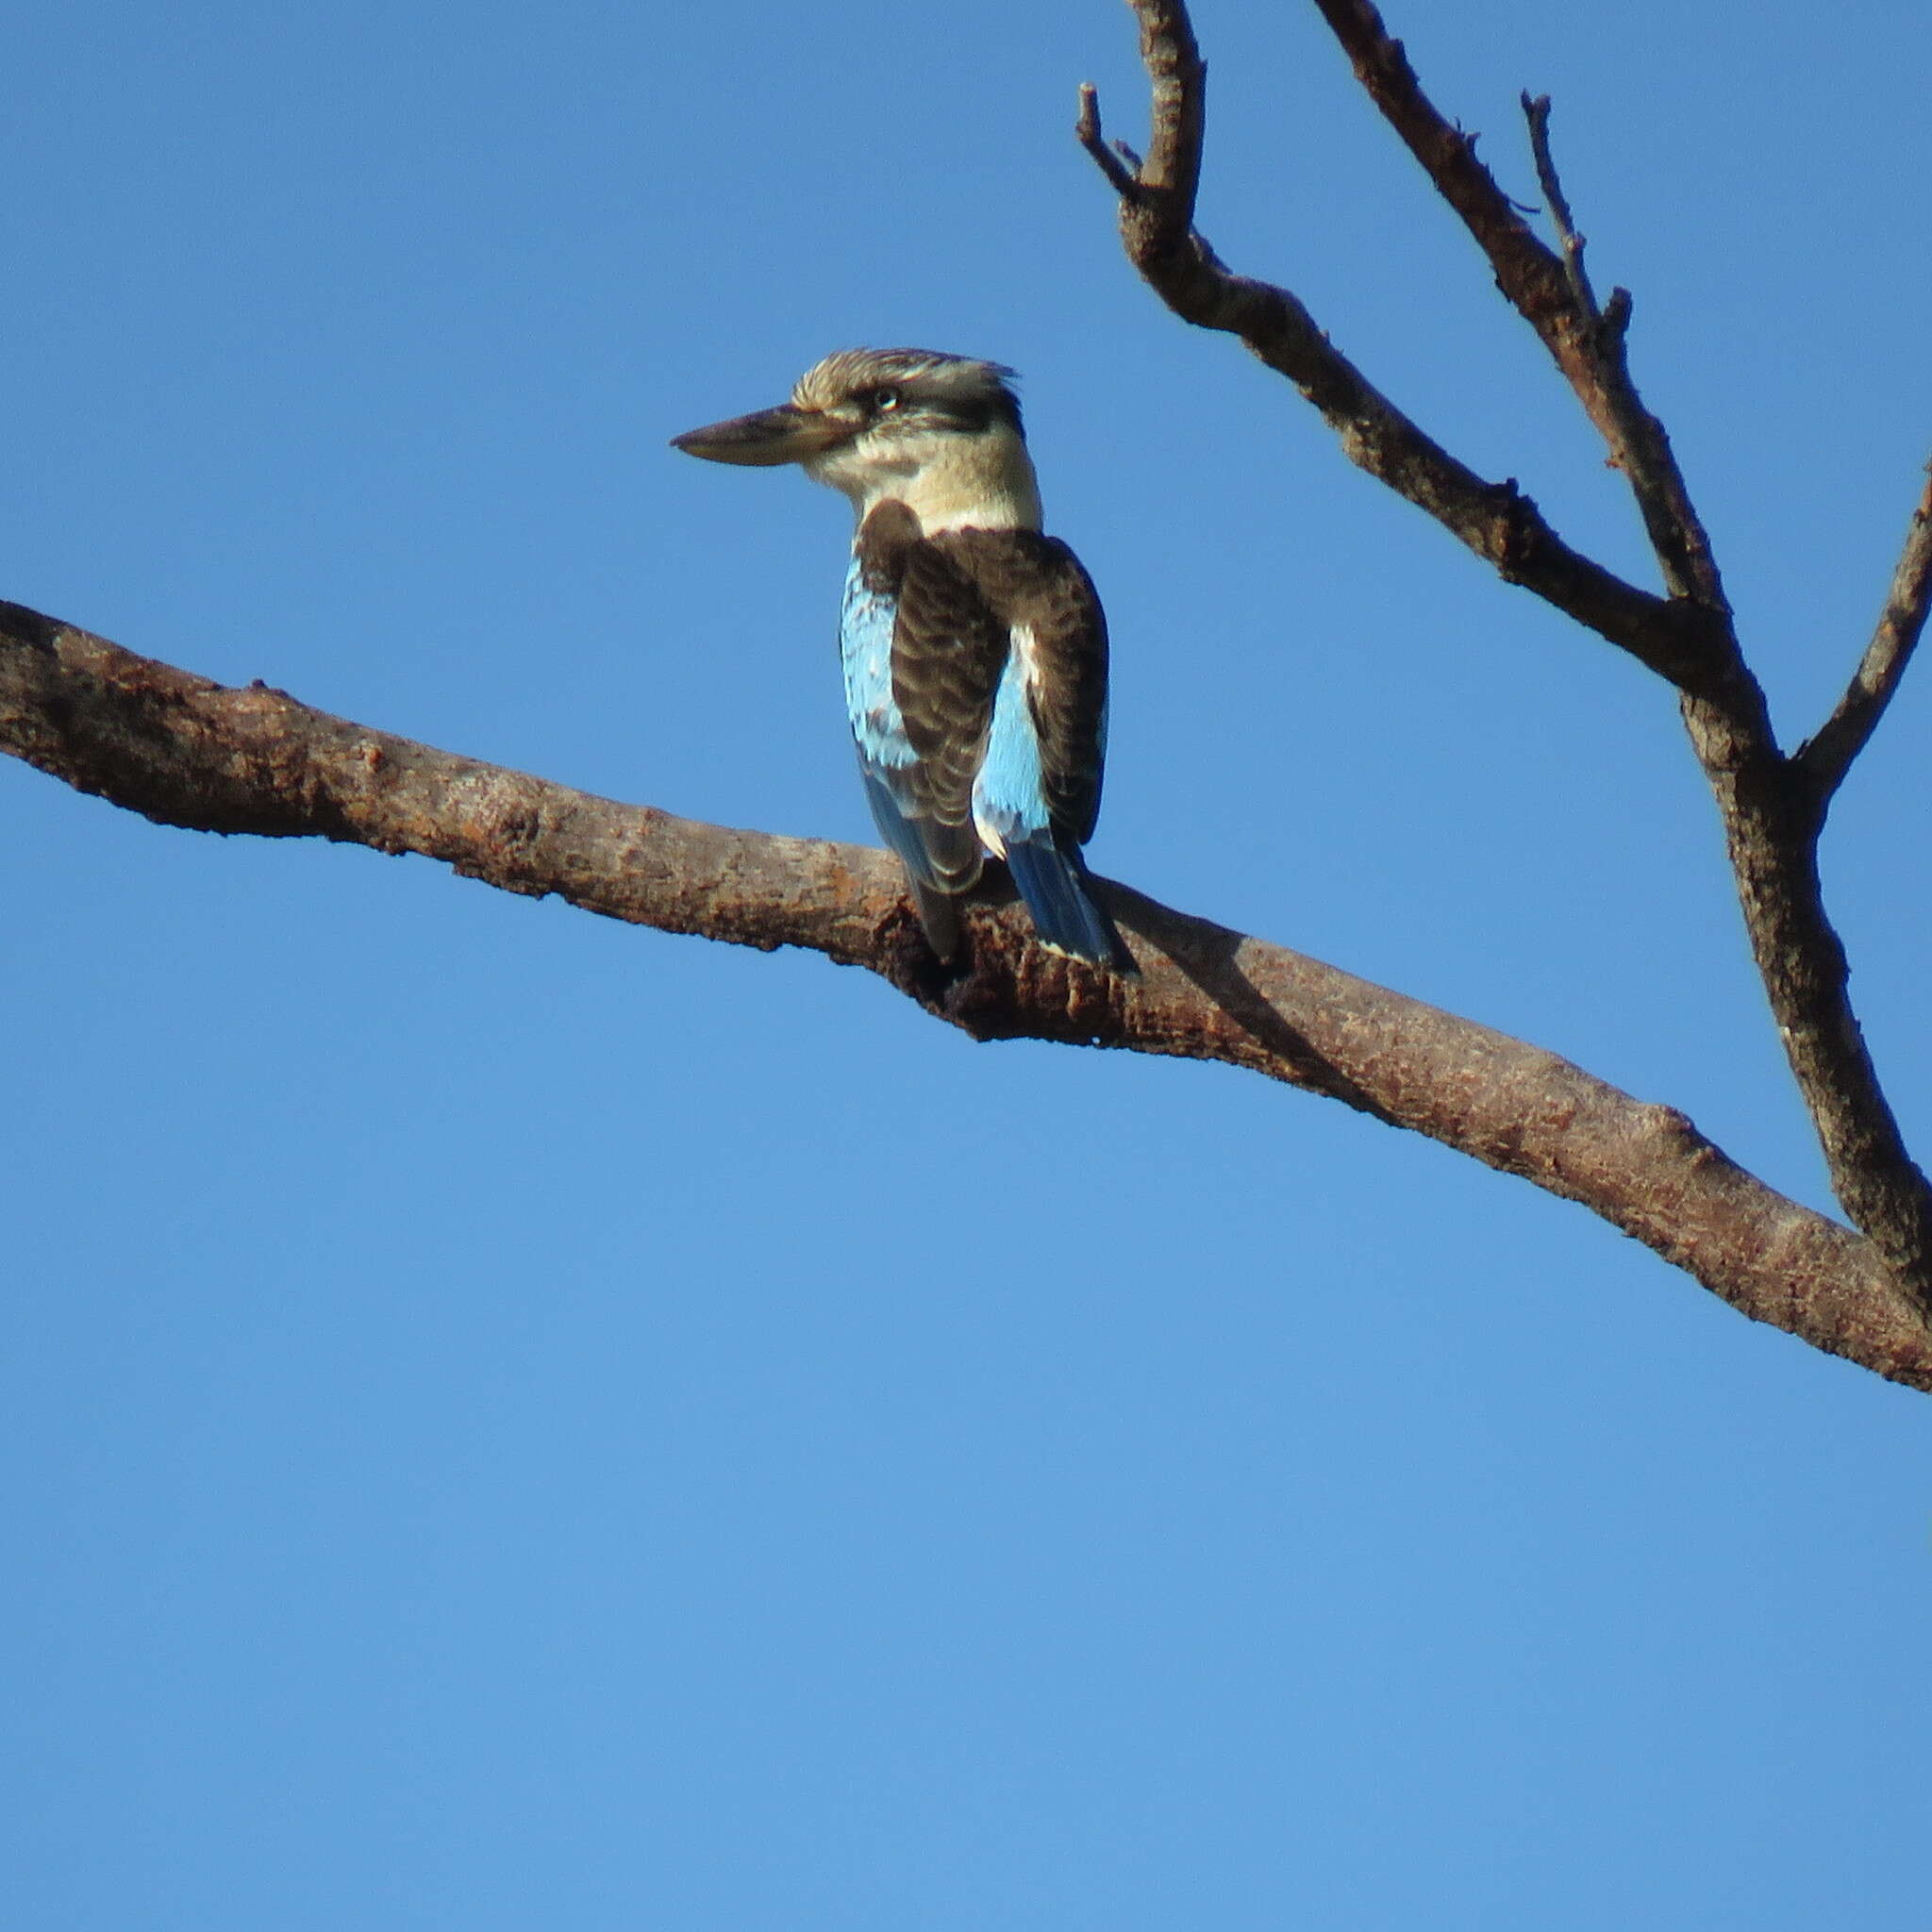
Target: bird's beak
point(785, 435)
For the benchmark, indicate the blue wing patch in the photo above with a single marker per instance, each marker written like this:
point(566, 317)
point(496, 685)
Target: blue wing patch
point(887, 761)
point(1009, 802)
point(865, 651)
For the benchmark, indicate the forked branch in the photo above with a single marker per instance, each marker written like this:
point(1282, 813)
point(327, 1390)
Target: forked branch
point(1772, 806)
point(1495, 519)
point(1541, 286)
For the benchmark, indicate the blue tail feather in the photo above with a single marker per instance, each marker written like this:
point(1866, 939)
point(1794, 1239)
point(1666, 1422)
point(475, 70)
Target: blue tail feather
point(1054, 885)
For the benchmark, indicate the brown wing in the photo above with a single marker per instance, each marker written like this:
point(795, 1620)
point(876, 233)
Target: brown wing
point(948, 650)
point(945, 658)
point(1024, 579)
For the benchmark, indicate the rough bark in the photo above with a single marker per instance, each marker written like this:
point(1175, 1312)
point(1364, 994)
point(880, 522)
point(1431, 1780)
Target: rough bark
point(188, 752)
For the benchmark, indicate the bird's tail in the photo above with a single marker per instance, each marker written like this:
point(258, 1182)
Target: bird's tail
point(940, 861)
point(1054, 885)
point(939, 914)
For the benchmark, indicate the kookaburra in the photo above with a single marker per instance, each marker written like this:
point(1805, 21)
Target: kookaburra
point(973, 647)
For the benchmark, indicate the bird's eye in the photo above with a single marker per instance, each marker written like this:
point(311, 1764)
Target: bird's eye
point(884, 399)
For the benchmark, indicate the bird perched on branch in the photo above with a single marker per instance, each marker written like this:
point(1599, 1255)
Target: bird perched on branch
point(975, 648)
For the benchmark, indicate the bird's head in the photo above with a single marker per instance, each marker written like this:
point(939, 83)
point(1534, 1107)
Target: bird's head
point(938, 432)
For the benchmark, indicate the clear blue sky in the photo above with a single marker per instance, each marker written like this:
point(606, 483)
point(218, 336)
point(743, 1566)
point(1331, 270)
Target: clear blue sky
point(513, 1422)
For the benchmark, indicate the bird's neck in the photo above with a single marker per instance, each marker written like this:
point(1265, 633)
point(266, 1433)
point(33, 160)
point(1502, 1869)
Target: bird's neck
point(978, 482)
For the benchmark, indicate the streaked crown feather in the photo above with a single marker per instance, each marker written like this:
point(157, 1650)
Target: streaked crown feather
point(957, 386)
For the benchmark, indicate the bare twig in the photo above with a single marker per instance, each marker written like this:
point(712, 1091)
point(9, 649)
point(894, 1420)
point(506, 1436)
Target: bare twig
point(1536, 110)
point(188, 752)
point(1823, 760)
point(1637, 443)
point(1119, 172)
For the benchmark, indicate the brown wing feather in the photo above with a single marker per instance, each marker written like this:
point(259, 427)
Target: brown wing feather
point(1022, 578)
point(948, 649)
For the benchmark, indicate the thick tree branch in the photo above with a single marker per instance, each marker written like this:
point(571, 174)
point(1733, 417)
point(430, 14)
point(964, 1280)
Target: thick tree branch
point(1824, 760)
point(188, 752)
point(1770, 809)
point(1771, 833)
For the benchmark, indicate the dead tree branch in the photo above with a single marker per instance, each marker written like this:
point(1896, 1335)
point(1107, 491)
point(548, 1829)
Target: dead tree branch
point(1536, 282)
point(1825, 758)
point(188, 752)
point(1536, 110)
point(1495, 519)
point(1771, 806)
